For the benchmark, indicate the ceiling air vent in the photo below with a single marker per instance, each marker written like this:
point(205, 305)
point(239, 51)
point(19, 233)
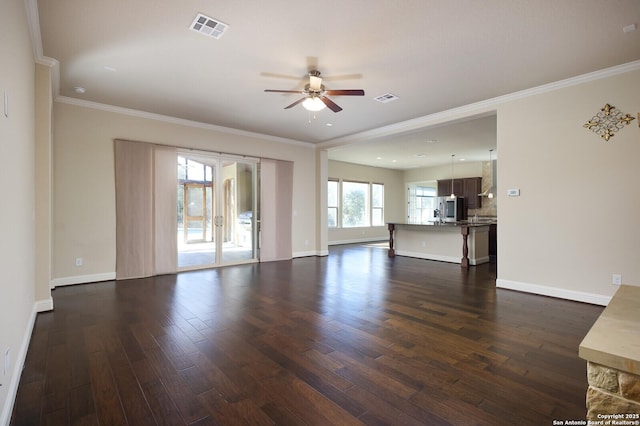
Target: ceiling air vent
point(208, 26)
point(386, 98)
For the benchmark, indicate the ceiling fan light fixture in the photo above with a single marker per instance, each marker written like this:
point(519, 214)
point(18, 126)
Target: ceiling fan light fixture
point(313, 104)
point(314, 94)
point(315, 83)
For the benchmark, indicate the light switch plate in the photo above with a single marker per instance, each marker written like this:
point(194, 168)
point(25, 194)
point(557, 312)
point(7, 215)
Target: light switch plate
point(513, 192)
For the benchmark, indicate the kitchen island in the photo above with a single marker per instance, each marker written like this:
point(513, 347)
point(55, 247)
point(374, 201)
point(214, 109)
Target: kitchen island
point(466, 243)
point(612, 351)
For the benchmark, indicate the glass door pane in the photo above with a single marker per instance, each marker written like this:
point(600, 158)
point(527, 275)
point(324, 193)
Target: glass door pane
point(195, 218)
point(196, 243)
point(237, 233)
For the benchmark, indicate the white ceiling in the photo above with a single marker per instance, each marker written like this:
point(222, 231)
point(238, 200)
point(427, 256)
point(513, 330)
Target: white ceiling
point(434, 55)
point(466, 140)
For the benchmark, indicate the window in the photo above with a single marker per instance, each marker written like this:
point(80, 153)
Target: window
point(355, 199)
point(354, 204)
point(377, 204)
point(332, 203)
point(421, 202)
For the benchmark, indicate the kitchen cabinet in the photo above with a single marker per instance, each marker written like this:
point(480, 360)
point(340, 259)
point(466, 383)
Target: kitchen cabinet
point(472, 187)
point(469, 188)
point(444, 187)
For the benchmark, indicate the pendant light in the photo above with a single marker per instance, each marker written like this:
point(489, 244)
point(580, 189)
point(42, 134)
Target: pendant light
point(489, 192)
point(452, 194)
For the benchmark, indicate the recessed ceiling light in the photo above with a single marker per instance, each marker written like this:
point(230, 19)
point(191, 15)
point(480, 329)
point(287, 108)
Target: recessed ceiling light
point(108, 68)
point(462, 159)
point(79, 90)
point(431, 141)
point(394, 161)
point(329, 124)
point(629, 28)
point(378, 158)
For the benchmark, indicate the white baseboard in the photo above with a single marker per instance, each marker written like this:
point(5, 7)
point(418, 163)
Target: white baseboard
point(18, 365)
point(305, 253)
point(276, 259)
point(428, 256)
point(44, 305)
point(82, 279)
point(479, 260)
point(561, 293)
point(357, 240)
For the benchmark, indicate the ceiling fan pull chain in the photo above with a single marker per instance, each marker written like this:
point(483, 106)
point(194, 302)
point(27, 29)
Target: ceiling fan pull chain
point(315, 117)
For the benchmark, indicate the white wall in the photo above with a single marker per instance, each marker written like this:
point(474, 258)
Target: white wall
point(43, 186)
point(394, 200)
point(17, 149)
point(576, 221)
point(84, 197)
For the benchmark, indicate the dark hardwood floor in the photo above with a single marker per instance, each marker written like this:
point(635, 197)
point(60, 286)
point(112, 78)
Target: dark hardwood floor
point(355, 337)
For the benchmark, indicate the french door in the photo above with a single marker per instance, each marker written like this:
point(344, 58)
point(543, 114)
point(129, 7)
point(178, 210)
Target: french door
point(216, 211)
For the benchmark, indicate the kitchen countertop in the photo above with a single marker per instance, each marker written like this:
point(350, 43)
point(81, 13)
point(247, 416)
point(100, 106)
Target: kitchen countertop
point(614, 339)
point(449, 224)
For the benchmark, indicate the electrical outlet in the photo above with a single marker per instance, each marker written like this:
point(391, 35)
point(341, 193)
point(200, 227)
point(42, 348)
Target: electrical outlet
point(616, 279)
point(78, 261)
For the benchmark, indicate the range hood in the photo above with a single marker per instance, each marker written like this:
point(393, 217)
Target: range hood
point(490, 192)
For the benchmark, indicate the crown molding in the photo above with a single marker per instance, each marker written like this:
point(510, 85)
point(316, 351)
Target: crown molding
point(33, 22)
point(180, 121)
point(478, 109)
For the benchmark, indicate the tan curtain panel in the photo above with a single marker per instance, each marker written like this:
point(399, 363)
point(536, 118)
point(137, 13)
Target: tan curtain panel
point(165, 210)
point(146, 236)
point(276, 203)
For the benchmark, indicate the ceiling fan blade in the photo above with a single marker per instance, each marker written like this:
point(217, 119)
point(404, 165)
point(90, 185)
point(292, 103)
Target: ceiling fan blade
point(283, 91)
point(295, 103)
point(342, 77)
point(283, 76)
point(355, 92)
point(330, 104)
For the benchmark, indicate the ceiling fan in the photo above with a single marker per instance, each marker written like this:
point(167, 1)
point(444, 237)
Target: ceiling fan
point(315, 94)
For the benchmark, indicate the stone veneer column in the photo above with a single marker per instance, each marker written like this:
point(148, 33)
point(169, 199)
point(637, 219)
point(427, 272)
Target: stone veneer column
point(611, 391)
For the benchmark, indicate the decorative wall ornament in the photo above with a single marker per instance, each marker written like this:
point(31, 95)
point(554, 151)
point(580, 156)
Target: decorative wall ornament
point(608, 121)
